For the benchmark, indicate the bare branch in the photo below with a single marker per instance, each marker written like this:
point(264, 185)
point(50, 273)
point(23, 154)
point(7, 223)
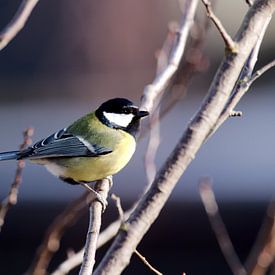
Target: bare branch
point(149, 206)
point(17, 23)
point(11, 199)
point(143, 259)
point(121, 218)
point(229, 42)
point(104, 236)
point(218, 226)
point(162, 80)
point(96, 208)
point(54, 233)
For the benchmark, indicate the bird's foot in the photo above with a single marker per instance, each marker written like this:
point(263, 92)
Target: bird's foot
point(97, 196)
point(110, 180)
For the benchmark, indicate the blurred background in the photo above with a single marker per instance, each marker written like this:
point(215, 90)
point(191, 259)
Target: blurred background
point(69, 58)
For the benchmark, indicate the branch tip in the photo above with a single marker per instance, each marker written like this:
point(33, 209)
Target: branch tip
point(143, 259)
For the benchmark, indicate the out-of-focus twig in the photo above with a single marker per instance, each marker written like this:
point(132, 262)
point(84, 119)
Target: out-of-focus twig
point(235, 114)
point(229, 42)
point(54, 234)
point(162, 56)
point(218, 226)
point(119, 207)
point(162, 80)
point(11, 199)
point(192, 62)
point(263, 252)
point(17, 23)
point(96, 210)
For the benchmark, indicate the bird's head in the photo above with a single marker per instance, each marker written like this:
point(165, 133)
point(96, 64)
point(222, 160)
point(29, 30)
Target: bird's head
point(120, 113)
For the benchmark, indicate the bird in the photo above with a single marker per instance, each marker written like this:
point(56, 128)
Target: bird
point(94, 147)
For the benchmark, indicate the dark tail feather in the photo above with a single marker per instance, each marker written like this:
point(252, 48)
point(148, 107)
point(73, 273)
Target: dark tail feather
point(9, 155)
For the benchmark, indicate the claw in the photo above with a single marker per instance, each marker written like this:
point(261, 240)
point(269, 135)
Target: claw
point(110, 180)
point(97, 196)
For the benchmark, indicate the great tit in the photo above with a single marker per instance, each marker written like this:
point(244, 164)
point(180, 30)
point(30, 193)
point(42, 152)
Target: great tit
point(94, 147)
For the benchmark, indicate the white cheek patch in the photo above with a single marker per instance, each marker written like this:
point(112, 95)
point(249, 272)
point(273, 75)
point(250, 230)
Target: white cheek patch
point(122, 120)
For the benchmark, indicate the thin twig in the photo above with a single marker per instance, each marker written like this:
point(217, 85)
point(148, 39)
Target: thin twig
point(96, 209)
point(17, 23)
point(143, 259)
point(218, 226)
point(11, 199)
point(121, 217)
point(229, 42)
point(260, 72)
point(54, 233)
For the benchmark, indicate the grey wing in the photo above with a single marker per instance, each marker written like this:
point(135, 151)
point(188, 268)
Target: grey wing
point(63, 144)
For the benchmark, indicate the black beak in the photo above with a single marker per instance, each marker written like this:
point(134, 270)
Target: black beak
point(142, 114)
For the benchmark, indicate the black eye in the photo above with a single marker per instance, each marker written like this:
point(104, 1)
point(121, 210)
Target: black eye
point(126, 111)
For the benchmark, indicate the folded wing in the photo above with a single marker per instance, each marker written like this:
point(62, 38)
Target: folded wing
point(63, 144)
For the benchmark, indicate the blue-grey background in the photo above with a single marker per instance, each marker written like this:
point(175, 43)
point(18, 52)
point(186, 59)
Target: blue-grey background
point(72, 56)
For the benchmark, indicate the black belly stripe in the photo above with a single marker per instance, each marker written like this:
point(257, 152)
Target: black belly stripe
point(72, 181)
point(69, 180)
